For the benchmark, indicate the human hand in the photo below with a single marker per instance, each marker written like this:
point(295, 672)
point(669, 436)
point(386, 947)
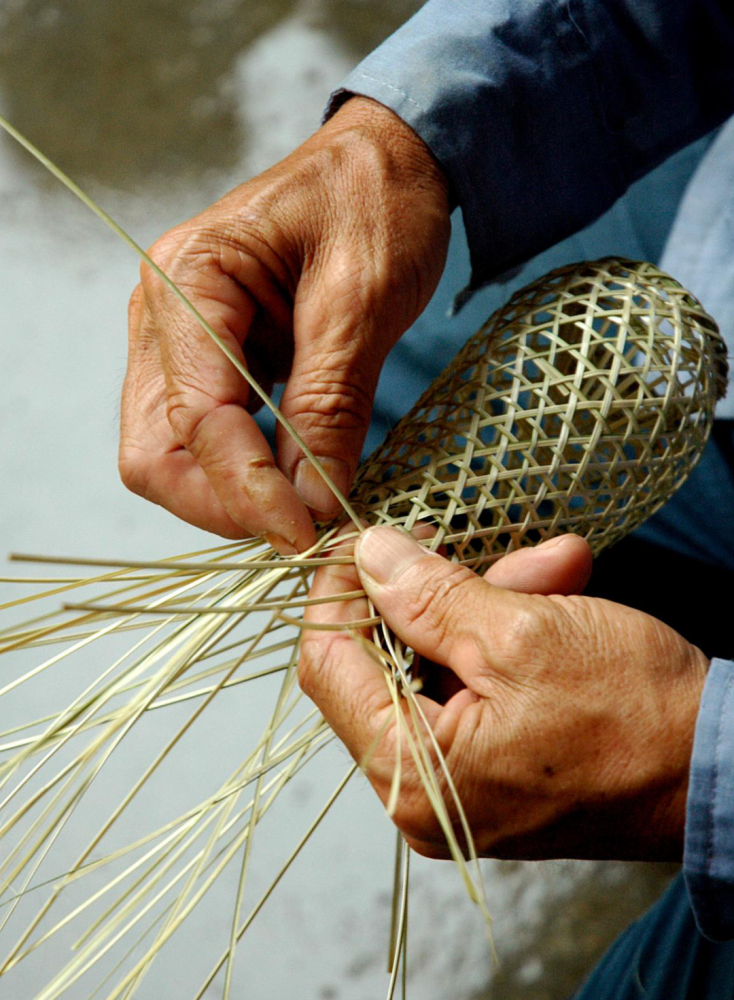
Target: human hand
point(309, 273)
point(566, 722)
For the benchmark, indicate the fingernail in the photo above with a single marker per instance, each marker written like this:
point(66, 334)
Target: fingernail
point(280, 544)
point(553, 542)
point(312, 489)
point(385, 553)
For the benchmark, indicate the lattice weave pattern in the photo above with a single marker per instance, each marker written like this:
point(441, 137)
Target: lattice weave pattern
point(581, 406)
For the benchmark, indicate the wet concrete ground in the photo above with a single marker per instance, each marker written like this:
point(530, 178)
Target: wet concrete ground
point(158, 108)
point(130, 93)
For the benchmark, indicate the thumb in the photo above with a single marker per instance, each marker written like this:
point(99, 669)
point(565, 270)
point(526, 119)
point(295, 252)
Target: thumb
point(445, 611)
point(440, 608)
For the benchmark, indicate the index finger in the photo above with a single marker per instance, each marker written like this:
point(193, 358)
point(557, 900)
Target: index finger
point(205, 405)
point(335, 671)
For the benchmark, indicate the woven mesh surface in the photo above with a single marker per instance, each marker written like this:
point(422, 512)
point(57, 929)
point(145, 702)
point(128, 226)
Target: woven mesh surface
point(580, 406)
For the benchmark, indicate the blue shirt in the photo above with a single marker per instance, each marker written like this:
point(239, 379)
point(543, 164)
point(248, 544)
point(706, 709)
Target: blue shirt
point(542, 113)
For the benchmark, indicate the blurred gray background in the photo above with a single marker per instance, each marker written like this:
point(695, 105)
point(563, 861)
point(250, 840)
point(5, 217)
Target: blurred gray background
point(158, 108)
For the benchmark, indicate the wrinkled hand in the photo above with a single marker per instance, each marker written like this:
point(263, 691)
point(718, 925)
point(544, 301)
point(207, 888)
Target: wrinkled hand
point(310, 273)
point(566, 722)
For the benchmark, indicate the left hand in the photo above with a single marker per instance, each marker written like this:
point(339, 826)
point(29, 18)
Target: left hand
point(569, 721)
point(309, 273)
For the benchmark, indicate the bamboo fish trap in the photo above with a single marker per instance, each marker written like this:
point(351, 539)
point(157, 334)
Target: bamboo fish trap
point(581, 406)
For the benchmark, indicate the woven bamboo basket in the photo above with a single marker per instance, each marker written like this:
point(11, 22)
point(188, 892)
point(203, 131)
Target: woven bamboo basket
point(581, 406)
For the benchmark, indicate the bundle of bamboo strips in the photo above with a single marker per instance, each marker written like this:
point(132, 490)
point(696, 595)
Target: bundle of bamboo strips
point(581, 406)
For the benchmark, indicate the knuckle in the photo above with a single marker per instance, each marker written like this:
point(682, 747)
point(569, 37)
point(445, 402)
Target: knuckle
point(532, 637)
point(316, 650)
point(528, 625)
point(135, 305)
point(187, 409)
point(428, 849)
point(313, 651)
point(415, 817)
point(526, 630)
point(331, 401)
point(162, 252)
point(184, 421)
point(133, 473)
point(352, 284)
point(184, 254)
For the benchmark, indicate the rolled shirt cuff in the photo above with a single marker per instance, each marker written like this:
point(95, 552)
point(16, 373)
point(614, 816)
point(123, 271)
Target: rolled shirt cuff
point(542, 112)
point(708, 862)
point(470, 78)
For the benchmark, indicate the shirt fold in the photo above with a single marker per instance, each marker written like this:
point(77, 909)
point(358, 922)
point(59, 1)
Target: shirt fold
point(708, 863)
point(542, 112)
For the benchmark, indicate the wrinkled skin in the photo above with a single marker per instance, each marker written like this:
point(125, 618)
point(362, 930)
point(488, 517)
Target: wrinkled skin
point(310, 273)
point(566, 722)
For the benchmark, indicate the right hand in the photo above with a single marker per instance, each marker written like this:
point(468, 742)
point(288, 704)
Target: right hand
point(566, 722)
point(310, 273)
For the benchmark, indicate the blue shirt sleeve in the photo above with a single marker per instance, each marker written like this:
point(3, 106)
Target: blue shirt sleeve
point(542, 112)
point(708, 862)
